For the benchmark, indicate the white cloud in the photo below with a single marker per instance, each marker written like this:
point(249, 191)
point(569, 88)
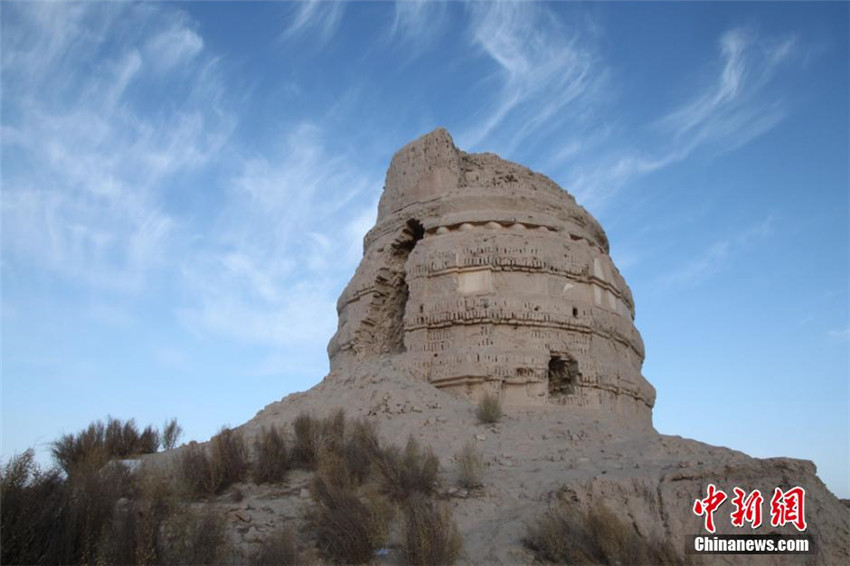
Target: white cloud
point(735, 108)
point(173, 46)
point(292, 221)
point(840, 334)
point(418, 21)
point(547, 73)
point(716, 256)
point(83, 196)
point(320, 18)
point(730, 107)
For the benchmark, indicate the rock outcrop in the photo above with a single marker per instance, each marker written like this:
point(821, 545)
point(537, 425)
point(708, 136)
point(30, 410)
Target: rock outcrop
point(481, 275)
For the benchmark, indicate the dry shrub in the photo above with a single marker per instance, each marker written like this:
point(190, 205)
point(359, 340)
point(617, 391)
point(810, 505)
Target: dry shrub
point(362, 448)
point(305, 450)
point(333, 469)
point(134, 532)
point(313, 435)
point(193, 537)
point(404, 473)
point(565, 534)
point(348, 529)
point(34, 502)
point(470, 466)
point(489, 408)
point(171, 433)
point(332, 431)
point(99, 443)
point(279, 549)
point(271, 457)
point(209, 472)
point(430, 534)
point(230, 455)
point(88, 444)
point(196, 472)
point(148, 442)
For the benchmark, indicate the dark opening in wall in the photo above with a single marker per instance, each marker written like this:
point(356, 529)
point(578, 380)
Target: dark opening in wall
point(392, 294)
point(563, 375)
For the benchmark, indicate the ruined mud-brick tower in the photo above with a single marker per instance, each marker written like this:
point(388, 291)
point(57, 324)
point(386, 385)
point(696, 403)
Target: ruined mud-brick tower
point(481, 275)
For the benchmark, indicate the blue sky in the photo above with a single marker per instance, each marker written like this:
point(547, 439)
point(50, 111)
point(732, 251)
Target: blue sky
point(185, 188)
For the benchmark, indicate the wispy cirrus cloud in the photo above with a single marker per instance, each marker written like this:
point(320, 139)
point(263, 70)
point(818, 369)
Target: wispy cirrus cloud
point(83, 192)
point(319, 18)
point(418, 21)
point(547, 73)
point(173, 46)
point(714, 258)
point(735, 107)
point(292, 227)
point(840, 335)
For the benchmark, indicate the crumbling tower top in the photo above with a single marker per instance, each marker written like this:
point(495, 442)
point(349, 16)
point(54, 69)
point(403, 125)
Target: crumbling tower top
point(482, 275)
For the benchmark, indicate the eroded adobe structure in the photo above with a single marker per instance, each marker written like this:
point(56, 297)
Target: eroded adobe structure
point(481, 275)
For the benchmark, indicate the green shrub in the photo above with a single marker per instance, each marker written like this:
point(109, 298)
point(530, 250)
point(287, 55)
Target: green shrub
point(470, 466)
point(489, 408)
point(271, 457)
point(430, 534)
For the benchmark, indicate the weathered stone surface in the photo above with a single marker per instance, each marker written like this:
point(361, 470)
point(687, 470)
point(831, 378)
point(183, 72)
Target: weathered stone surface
point(481, 275)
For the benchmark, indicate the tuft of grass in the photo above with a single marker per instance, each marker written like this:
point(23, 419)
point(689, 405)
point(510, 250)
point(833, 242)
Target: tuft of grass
point(565, 534)
point(470, 466)
point(489, 408)
point(404, 473)
point(348, 529)
point(430, 534)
